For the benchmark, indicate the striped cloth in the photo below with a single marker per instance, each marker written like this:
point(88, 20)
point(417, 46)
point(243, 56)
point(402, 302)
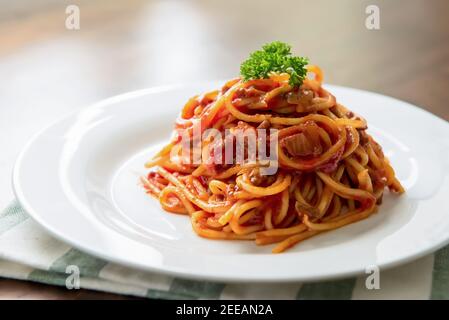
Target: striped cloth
point(27, 252)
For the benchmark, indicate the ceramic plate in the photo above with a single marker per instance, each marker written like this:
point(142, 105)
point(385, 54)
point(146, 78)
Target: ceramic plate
point(79, 179)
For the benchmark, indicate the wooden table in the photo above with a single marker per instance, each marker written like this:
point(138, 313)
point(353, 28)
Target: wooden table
point(47, 70)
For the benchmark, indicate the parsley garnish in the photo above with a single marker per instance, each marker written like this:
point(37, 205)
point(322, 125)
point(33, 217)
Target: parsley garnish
point(274, 57)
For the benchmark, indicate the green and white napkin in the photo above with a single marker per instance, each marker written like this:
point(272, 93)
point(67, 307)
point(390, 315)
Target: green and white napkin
point(27, 252)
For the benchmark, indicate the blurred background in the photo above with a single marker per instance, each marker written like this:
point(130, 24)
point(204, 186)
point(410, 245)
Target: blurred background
point(48, 70)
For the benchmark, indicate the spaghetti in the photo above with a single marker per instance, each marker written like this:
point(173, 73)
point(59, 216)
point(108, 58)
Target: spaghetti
point(331, 172)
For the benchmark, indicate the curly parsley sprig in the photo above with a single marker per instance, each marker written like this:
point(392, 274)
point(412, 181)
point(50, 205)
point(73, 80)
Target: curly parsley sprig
point(274, 57)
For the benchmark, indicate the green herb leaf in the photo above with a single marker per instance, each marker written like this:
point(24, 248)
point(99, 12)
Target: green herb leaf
point(274, 57)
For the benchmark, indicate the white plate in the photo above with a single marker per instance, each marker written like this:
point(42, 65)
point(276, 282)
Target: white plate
point(79, 180)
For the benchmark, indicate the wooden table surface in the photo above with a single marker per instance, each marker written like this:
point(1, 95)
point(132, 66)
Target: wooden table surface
point(47, 70)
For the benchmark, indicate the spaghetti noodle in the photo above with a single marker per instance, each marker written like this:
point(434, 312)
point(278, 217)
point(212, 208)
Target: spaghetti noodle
point(331, 172)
